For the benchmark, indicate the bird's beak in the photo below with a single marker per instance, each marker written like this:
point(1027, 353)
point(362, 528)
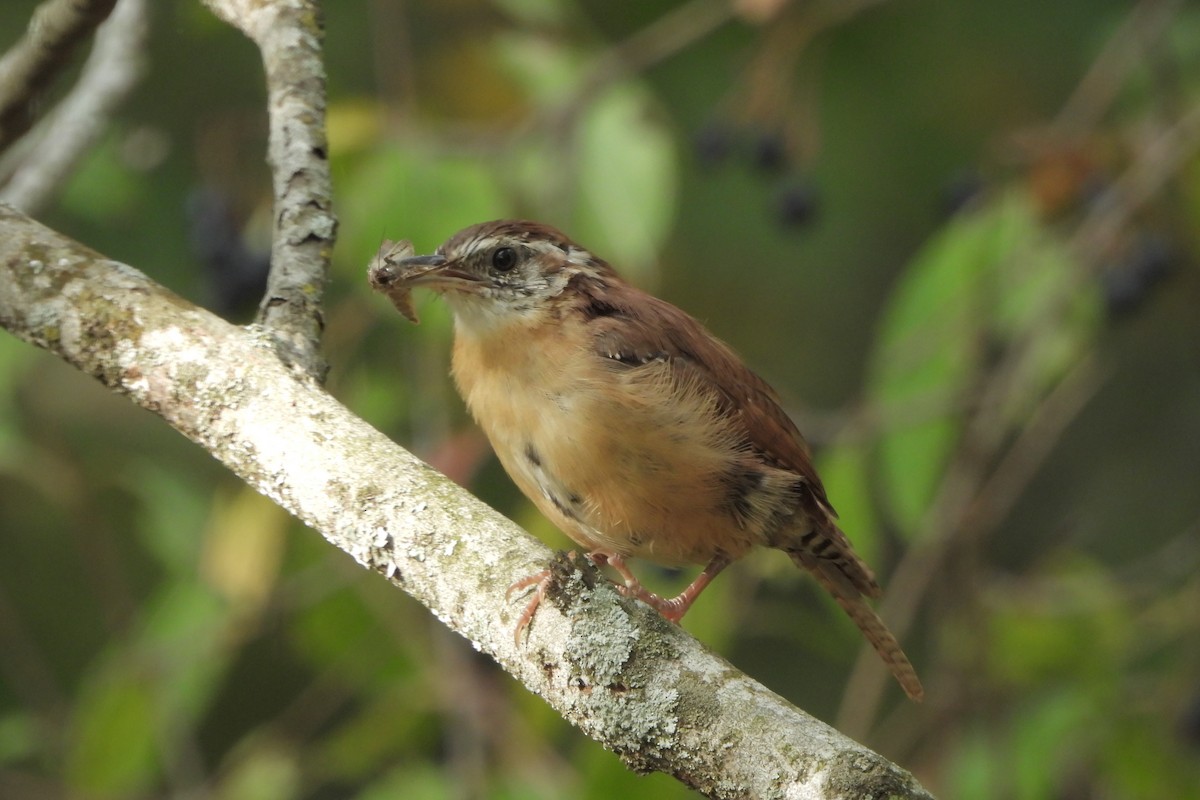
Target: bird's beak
point(395, 272)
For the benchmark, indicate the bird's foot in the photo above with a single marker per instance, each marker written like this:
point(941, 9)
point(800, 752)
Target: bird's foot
point(540, 580)
point(671, 608)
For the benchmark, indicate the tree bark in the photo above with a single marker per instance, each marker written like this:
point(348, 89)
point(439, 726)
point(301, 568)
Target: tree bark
point(288, 34)
point(28, 68)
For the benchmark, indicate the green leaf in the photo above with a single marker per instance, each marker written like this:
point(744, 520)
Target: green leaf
point(415, 782)
point(173, 507)
point(397, 721)
point(1040, 305)
point(266, 772)
point(19, 737)
point(113, 752)
point(405, 191)
point(187, 636)
point(1046, 738)
point(102, 188)
point(991, 282)
point(845, 470)
point(1144, 758)
point(925, 357)
point(535, 13)
point(15, 357)
point(545, 68)
point(973, 768)
point(626, 180)
point(1078, 637)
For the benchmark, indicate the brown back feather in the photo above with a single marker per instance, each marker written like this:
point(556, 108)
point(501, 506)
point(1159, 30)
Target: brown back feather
point(641, 328)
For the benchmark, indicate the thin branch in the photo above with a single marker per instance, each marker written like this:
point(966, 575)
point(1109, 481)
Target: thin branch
point(55, 28)
point(970, 504)
point(60, 140)
point(1154, 166)
point(289, 34)
point(1101, 84)
point(669, 34)
point(1004, 485)
point(642, 687)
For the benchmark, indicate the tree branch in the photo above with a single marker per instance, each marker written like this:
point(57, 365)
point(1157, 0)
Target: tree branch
point(27, 69)
point(643, 688)
point(60, 139)
point(289, 34)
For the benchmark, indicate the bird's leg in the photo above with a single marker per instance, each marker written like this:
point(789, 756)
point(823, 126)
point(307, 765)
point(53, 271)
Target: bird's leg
point(632, 587)
point(677, 606)
point(674, 608)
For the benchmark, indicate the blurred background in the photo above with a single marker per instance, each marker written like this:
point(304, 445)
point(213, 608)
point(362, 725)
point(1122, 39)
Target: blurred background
point(958, 236)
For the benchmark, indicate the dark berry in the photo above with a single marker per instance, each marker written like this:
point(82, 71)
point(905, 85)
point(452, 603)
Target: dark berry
point(1124, 290)
point(797, 204)
point(235, 274)
point(770, 152)
point(1152, 258)
point(713, 143)
point(1148, 261)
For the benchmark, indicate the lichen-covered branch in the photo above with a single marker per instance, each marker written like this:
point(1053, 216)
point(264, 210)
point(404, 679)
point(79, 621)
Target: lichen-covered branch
point(56, 27)
point(642, 687)
point(288, 33)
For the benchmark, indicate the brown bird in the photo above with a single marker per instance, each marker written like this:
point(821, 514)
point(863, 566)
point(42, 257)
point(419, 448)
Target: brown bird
point(630, 426)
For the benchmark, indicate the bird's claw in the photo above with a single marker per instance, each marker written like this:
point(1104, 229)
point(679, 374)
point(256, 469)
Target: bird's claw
point(540, 580)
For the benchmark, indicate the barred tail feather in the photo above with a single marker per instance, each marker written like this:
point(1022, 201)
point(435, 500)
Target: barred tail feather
point(845, 587)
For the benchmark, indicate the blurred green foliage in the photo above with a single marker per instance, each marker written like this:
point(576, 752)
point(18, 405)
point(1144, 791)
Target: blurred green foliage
point(165, 632)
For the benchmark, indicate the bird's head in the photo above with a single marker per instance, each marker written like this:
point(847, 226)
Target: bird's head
point(492, 274)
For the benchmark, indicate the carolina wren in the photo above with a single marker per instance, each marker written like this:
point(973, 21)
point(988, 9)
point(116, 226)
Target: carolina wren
point(630, 426)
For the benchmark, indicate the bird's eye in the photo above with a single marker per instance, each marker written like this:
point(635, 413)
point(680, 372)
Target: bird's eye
point(504, 259)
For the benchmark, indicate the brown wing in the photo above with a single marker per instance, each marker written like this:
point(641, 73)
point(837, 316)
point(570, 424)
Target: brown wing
point(636, 328)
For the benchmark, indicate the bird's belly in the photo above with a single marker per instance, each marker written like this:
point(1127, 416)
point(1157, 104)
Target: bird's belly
point(617, 472)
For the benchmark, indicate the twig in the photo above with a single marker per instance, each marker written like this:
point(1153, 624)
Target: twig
point(998, 494)
point(1155, 164)
point(59, 141)
point(958, 513)
point(656, 42)
point(641, 686)
point(289, 34)
point(1095, 93)
point(55, 28)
